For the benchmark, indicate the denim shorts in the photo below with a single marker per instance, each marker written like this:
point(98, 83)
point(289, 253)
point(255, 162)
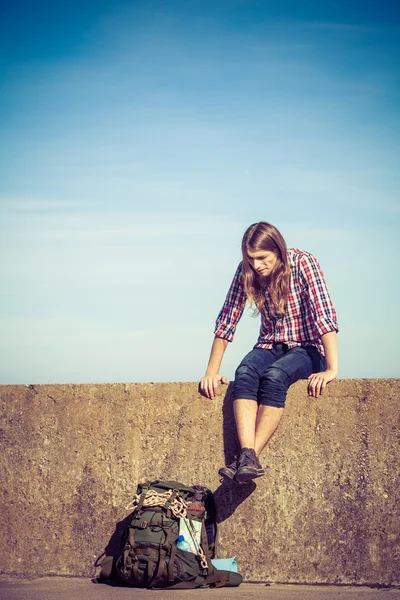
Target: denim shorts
point(265, 375)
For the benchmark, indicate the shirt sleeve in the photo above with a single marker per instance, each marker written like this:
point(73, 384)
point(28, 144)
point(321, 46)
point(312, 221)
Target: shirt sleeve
point(232, 309)
point(312, 279)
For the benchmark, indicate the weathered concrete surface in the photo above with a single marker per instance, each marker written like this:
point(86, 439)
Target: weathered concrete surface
point(326, 511)
point(56, 588)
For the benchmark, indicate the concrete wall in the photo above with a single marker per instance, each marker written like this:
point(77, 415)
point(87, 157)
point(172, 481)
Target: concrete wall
point(326, 511)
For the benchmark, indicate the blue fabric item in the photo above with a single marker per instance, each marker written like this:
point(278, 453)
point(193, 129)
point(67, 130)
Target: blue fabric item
point(225, 564)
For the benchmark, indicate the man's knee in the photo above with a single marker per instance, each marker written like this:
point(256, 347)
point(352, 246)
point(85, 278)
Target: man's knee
point(246, 383)
point(273, 387)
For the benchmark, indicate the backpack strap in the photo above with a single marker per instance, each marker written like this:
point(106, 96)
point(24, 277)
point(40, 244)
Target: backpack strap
point(171, 564)
point(170, 501)
point(161, 564)
point(167, 544)
point(151, 567)
point(145, 489)
point(128, 559)
point(133, 563)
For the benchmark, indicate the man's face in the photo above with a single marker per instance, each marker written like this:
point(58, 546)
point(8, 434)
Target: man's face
point(263, 261)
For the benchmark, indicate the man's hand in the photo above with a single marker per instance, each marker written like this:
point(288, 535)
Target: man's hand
point(209, 384)
point(317, 382)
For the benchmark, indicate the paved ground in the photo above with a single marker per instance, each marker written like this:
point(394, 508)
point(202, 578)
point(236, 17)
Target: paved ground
point(59, 588)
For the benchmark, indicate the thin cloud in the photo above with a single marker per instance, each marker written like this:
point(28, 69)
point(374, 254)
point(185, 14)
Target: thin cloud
point(337, 26)
point(39, 205)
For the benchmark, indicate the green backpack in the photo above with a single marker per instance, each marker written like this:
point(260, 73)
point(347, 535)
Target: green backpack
point(151, 554)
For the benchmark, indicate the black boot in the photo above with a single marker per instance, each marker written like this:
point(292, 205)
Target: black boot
point(248, 467)
point(229, 471)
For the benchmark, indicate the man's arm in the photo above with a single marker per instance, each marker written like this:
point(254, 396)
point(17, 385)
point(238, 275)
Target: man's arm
point(224, 331)
point(210, 381)
point(318, 381)
point(320, 301)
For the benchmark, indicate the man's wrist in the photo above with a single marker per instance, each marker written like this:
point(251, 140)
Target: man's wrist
point(333, 371)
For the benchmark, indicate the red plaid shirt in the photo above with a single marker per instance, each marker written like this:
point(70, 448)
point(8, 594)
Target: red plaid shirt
point(309, 311)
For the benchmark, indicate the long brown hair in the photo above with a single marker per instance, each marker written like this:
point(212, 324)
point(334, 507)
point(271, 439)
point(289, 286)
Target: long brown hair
point(264, 236)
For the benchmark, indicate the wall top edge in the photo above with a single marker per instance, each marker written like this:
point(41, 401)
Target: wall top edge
point(392, 380)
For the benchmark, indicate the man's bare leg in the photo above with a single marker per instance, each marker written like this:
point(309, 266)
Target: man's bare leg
point(245, 412)
point(247, 467)
point(268, 419)
point(255, 426)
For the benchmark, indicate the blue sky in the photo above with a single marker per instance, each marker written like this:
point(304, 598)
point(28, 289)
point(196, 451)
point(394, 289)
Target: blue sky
point(140, 139)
